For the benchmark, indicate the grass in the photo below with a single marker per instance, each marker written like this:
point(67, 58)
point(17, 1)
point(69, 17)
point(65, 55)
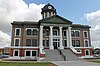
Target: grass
point(26, 64)
point(97, 61)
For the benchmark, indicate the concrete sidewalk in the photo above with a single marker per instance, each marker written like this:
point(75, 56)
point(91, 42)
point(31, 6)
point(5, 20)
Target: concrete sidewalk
point(75, 63)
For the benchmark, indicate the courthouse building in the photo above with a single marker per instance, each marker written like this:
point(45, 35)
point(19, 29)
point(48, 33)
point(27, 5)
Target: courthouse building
point(52, 33)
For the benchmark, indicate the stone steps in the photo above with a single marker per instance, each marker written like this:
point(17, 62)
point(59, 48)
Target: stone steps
point(69, 55)
point(53, 55)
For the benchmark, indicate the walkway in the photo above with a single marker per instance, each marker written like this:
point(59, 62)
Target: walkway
point(75, 63)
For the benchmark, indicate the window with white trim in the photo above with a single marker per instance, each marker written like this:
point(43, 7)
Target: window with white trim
point(30, 53)
point(34, 42)
point(16, 52)
point(77, 33)
point(28, 32)
point(86, 43)
point(77, 43)
point(17, 42)
point(34, 53)
point(34, 32)
point(72, 33)
point(17, 31)
point(73, 43)
point(28, 42)
point(31, 31)
point(85, 34)
point(87, 52)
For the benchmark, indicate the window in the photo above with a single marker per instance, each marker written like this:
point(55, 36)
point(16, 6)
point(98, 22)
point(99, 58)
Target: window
point(43, 31)
point(34, 32)
point(34, 42)
point(64, 33)
point(31, 53)
point(85, 34)
point(47, 43)
point(17, 42)
point(43, 42)
point(34, 53)
point(86, 43)
point(77, 43)
point(55, 32)
point(65, 43)
point(18, 31)
point(28, 32)
point(54, 39)
point(77, 33)
point(47, 32)
point(16, 53)
point(73, 43)
point(87, 52)
point(28, 42)
point(28, 53)
point(72, 33)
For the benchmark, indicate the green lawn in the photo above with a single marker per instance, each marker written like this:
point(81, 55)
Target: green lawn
point(97, 61)
point(26, 64)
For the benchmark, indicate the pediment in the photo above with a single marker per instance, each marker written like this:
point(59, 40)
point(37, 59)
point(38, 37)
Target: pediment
point(55, 20)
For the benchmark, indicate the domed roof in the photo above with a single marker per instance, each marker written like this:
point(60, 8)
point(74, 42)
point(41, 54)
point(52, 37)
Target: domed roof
point(48, 7)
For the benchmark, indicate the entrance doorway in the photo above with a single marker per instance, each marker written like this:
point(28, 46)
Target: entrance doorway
point(56, 43)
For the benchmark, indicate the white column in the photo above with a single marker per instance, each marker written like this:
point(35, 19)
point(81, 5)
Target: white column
point(67, 37)
point(61, 46)
point(70, 38)
point(51, 13)
point(41, 38)
point(51, 38)
point(48, 14)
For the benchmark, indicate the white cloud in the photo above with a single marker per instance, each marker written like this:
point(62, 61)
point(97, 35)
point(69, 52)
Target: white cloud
point(94, 20)
point(11, 10)
point(4, 39)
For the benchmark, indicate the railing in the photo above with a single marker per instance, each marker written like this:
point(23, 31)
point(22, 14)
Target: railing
point(75, 51)
point(64, 56)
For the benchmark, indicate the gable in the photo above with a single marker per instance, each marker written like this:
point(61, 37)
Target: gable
point(55, 20)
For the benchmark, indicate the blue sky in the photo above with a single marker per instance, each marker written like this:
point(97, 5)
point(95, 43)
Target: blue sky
point(70, 9)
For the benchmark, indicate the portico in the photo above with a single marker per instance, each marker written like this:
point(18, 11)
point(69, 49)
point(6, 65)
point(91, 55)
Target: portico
point(56, 37)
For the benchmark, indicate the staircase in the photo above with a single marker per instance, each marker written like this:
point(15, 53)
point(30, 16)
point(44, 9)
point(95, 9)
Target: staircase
point(53, 55)
point(69, 55)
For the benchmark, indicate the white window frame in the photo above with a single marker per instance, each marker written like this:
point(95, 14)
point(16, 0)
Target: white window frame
point(76, 30)
point(31, 30)
point(31, 53)
point(84, 35)
point(14, 42)
point(84, 42)
point(19, 33)
point(88, 51)
point(14, 53)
